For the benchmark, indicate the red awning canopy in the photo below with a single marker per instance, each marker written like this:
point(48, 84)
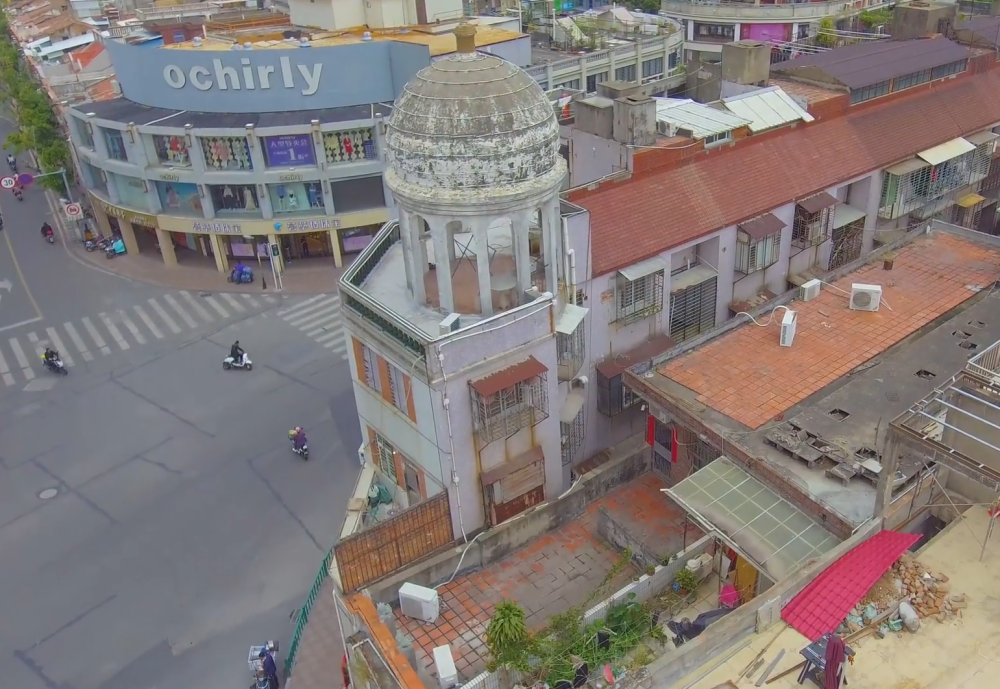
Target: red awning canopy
point(822, 605)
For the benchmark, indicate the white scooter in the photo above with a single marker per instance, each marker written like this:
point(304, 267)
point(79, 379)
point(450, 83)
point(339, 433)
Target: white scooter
point(229, 363)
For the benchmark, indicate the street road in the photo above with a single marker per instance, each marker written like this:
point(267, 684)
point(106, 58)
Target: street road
point(182, 529)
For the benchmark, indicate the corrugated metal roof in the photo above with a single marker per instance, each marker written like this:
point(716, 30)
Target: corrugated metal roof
point(873, 62)
point(766, 109)
point(68, 44)
point(700, 120)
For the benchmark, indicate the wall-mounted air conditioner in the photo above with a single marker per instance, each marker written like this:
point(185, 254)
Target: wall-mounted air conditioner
point(788, 328)
point(449, 324)
point(865, 297)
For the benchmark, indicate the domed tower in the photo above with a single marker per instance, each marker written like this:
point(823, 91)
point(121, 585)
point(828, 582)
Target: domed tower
point(474, 166)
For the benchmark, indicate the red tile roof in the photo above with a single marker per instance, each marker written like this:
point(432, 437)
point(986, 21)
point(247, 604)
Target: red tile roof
point(668, 208)
point(824, 603)
point(84, 56)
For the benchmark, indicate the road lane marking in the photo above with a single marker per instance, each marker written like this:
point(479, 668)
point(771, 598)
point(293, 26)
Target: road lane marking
point(78, 342)
point(231, 300)
point(198, 308)
point(180, 312)
point(22, 360)
point(5, 371)
point(60, 347)
point(217, 306)
point(149, 322)
point(113, 329)
point(12, 326)
point(96, 336)
point(132, 327)
point(174, 328)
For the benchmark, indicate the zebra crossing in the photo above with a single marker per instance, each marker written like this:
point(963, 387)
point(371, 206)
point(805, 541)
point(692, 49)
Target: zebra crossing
point(319, 318)
point(92, 337)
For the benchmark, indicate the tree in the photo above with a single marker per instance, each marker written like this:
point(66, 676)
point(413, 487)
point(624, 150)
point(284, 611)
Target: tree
point(508, 641)
point(826, 35)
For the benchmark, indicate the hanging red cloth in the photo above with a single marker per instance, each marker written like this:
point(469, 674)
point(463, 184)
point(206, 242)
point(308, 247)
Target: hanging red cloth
point(835, 656)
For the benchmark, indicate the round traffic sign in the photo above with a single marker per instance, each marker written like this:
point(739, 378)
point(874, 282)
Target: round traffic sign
point(73, 210)
point(25, 178)
point(8, 182)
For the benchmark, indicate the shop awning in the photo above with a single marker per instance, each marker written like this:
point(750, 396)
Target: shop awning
point(774, 534)
point(970, 200)
point(570, 318)
point(946, 151)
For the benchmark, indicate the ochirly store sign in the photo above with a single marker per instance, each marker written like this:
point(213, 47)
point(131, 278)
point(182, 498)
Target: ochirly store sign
point(303, 77)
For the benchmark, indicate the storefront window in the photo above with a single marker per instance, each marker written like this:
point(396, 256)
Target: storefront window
point(116, 145)
point(358, 194)
point(93, 178)
point(226, 153)
point(180, 198)
point(292, 150)
point(172, 150)
point(308, 245)
point(234, 199)
point(349, 146)
point(295, 197)
point(83, 130)
point(246, 247)
point(355, 239)
point(131, 191)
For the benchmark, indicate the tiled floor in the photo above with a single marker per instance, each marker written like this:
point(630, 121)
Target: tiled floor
point(749, 377)
point(317, 662)
point(557, 571)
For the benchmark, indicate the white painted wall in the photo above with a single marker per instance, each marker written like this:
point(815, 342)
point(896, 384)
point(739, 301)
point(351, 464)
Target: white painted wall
point(517, 51)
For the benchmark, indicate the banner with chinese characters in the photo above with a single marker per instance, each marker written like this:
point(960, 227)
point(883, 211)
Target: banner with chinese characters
point(290, 150)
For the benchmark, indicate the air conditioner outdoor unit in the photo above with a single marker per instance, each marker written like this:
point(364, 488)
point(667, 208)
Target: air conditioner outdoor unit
point(865, 297)
point(449, 324)
point(444, 663)
point(810, 290)
point(788, 328)
point(419, 602)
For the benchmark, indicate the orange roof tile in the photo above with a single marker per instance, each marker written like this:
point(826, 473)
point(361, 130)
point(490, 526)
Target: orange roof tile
point(84, 56)
point(667, 208)
point(749, 377)
point(102, 90)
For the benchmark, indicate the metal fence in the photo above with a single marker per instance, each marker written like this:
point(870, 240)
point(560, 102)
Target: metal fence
point(303, 619)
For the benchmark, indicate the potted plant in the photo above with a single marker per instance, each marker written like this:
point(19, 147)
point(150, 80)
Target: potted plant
point(686, 582)
point(508, 641)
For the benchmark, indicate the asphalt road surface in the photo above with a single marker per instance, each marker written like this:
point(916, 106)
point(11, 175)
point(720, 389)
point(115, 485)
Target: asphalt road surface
point(154, 523)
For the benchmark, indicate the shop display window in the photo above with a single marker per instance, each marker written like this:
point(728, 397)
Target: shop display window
point(226, 153)
point(235, 199)
point(358, 194)
point(296, 197)
point(350, 146)
point(353, 240)
point(180, 198)
point(172, 150)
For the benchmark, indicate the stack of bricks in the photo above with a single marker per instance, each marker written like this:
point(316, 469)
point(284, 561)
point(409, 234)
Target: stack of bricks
point(928, 592)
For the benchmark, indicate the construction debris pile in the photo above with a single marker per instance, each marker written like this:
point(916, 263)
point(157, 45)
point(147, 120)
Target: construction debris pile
point(918, 593)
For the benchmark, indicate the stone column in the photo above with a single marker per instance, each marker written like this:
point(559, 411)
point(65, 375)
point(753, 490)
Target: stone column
point(890, 461)
point(439, 234)
point(128, 236)
point(338, 258)
point(219, 251)
point(416, 229)
point(279, 260)
point(522, 258)
point(551, 243)
point(481, 241)
point(406, 238)
point(166, 248)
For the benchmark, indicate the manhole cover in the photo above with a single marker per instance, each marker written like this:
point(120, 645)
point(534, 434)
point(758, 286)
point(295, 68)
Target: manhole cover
point(48, 493)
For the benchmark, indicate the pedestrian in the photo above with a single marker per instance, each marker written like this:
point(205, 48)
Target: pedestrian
point(270, 668)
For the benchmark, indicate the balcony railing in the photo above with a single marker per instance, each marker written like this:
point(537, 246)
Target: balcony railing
point(986, 364)
point(356, 299)
point(709, 9)
point(600, 60)
point(905, 192)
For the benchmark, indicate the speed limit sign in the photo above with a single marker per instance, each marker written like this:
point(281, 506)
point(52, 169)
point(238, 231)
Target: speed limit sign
point(8, 182)
point(73, 211)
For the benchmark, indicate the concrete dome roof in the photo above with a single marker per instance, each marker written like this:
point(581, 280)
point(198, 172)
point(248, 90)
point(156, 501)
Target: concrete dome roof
point(470, 124)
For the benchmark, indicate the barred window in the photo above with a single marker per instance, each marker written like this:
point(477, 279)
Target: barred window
point(397, 388)
point(372, 378)
point(386, 456)
point(756, 254)
point(637, 299)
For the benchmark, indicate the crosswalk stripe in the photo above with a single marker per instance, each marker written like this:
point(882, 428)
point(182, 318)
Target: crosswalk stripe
point(334, 345)
point(300, 315)
point(78, 342)
point(198, 308)
point(174, 328)
point(191, 323)
point(60, 347)
point(217, 306)
point(113, 329)
point(148, 321)
point(232, 301)
point(250, 300)
point(96, 336)
point(22, 360)
point(290, 309)
point(329, 335)
point(132, 328)
point(5, 371)
point(33, 339)
point(328, 315)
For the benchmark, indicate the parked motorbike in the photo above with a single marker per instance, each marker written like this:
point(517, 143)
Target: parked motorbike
point(55, 365)
point(116, 248)
point(229, 363)
point(303, 451)
point(95, 243)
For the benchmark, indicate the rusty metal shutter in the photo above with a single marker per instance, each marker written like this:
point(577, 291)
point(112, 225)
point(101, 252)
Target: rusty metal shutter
point(519, 482)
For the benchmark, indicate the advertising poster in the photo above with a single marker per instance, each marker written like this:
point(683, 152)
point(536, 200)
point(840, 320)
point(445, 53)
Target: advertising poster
point(290, 150)
point(180, 198)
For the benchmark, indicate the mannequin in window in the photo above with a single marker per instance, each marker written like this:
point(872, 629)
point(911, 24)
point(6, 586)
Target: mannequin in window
point(280, 191)
point(228, 199)
point(293, 203)
point(249, 203)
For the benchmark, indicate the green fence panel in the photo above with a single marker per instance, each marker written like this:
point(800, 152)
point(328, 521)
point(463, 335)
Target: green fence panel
point(303, 619)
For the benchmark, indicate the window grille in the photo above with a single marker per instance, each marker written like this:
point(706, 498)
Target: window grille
point(847, 243)
point(504, 413)
point(911, 191)
point(386, 456)
point(639, 298)
point(613, 396)
point(572, 437)
point(811, 229)
point(372, 378)
point(693, 309)
point(756, 254)
point(397, 388)
point(572, 350)
point(981, 159)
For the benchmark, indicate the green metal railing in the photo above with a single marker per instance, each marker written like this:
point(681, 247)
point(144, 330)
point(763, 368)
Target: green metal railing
point(303, 620)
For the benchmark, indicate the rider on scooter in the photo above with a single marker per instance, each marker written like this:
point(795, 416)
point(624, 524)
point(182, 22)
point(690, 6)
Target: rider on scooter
point(236, 352)
point(51, 356)
point(299, 439)
point(12, 161)
point(46, 230)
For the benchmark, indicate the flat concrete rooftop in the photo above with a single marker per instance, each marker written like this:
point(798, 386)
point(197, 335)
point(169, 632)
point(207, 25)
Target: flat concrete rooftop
point(826, 402)
point(961, 653)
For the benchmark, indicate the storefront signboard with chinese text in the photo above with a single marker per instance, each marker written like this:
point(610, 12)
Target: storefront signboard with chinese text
point(126, 214)
point(290, 150)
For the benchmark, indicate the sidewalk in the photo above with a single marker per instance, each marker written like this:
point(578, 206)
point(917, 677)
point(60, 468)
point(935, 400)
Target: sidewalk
point(317, 663)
